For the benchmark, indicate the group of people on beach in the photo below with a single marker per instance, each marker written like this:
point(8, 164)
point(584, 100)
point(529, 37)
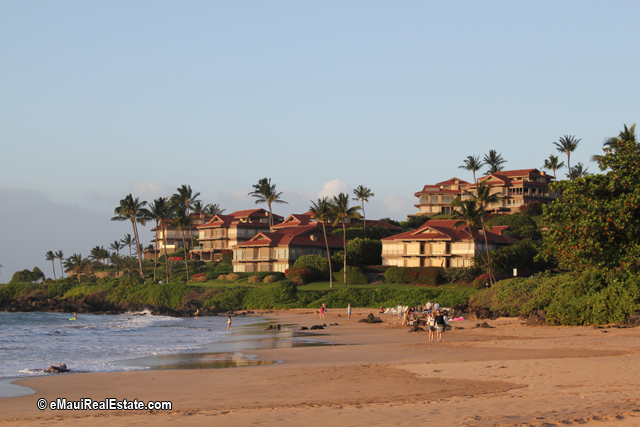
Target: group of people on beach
point(323, 310)
point(436, 319)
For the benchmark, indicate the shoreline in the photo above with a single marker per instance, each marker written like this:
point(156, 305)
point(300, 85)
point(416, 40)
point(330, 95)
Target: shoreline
point(380, 374)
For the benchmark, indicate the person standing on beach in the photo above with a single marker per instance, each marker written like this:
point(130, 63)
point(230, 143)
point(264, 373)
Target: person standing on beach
point(322, 310)
point(441, 323)
point(348, 311)
point(229, 323)
point(431, 323)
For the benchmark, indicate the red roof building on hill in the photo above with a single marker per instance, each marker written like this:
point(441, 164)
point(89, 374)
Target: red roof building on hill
point(224, 231)
point(279, 249)
point(169, 238)
point(516, 188)
point(439, 243)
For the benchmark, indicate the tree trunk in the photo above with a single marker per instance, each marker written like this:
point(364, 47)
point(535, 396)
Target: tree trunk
point(137, 240)
point(61, 270)
point(364, 217)
point(53, 264)
point(186, 261)
point(324, 230)
point(166, 261)
point(344, 239)
point(270, 217)
point(155, 254)
point(486, 243)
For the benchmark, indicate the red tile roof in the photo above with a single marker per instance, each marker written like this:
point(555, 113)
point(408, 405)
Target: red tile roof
point(444, 229)
point(293, 236)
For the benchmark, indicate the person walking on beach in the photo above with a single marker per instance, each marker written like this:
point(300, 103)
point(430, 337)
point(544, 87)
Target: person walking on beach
point(431, 324)
point(348, 311)
point(229, 323)
point(322, 310)
point(441, 323)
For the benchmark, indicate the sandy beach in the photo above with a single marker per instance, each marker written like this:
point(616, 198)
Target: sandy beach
point(378, 374)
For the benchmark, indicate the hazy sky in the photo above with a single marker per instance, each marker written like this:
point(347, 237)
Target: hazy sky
point(99, 99)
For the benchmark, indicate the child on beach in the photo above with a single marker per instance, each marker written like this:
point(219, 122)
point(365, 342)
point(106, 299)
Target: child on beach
point(348, 311)
point(322, 310)
point(229, 323)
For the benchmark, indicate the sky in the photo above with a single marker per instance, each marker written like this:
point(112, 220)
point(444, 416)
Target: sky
point(100, 99)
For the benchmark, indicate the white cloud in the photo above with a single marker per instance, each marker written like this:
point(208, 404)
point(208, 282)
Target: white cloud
point(333, 188)
point(150, 190)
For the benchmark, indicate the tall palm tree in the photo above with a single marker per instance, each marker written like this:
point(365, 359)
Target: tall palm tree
point(553, 163)
point(160, 211)
point(485, 197)
point(185, 198)
point(341, 212)
point(50, 256)
point(363, 194)
point(612, 144)
point(265, 192)
point(116, 246)
point(212, 209)
point(127, 240)
point(98, 254)
point(494, 160)
point(131, 209)
point(469, 213)
point(60, 257)
point(567, 145)
point(184, 221)
point(473, 164)
point(578, 171)
point(321, 210)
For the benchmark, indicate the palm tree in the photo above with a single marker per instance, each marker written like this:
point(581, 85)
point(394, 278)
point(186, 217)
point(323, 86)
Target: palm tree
point(159, 211)
point(184, 221)
point(341, 212)
point(116, 260)
point(473, 164)
point(578, 171)
point(185, 198)
point(127, 240)
point(321, 211)
point(98, 254)
point(485, 197)
point(494, 160)
point(75, 263)
point(116, 246)
point(362, 195)
point(60, 256)
point(197, 206)
point(553, 163)
point(470, 214)
point(212, 209)
point(612, 144)
point(265, 192)
point(50, 256)
point(132, 210)
point(567, 145)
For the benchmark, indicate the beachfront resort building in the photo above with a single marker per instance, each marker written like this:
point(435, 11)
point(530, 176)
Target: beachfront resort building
point(222, 232)
point(439, 243)
point(169, 237)
point(279, 249)
point(516, 188)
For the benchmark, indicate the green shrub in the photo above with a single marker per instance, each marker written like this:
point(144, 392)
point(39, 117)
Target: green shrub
point(318, 265)
point(271, 279)
point(222, 277)
point(299, 276)
point(414, 275)
point(255, 279)
point(364, 252)
point(355, 276)
point(233, 277)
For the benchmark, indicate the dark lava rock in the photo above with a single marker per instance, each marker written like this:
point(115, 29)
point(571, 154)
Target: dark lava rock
point(371, 319)
point(632, 321)
point(483, 325)
point(539, 318)
point(315, 327)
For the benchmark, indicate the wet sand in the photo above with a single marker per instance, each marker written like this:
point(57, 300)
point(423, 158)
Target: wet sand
point(379, 374)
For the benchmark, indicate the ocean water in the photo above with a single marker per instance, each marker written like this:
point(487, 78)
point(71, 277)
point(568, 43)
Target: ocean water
point(30, 342)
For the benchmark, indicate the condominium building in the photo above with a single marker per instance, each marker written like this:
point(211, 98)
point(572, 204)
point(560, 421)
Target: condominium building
point(439, 243)
point(279, 249)
point(222, 232)
point(169, 238)
point(516, 188)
